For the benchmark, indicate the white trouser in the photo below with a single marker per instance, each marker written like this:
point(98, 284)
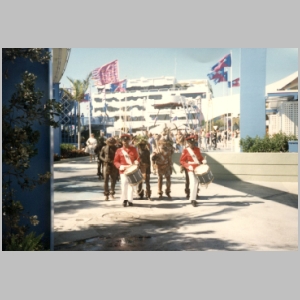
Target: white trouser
point(126, 189)
point(193, 185)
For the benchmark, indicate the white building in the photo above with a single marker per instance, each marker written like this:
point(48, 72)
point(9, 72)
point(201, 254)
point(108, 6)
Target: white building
point(282, 106)
point(151, 103)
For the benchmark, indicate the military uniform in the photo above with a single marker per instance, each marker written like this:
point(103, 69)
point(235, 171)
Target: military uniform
point(164, 165)
point(100, 145)
point(191, 158)
point(145, 163)
point(107, 156)
point(124, 157)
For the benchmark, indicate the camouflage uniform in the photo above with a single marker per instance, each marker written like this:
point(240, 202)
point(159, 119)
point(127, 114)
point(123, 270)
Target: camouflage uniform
point(100, 145)
point(145, 163)
point(107, 155)
point(164, 165)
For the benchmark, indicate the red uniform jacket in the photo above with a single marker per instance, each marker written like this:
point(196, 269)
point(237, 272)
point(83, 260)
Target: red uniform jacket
point(120, 159)
point(186, 158)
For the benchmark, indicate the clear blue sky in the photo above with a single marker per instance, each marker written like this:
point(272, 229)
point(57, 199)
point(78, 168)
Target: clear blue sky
point(183, 63)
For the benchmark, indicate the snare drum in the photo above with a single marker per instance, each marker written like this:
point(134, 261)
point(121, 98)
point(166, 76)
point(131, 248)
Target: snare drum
point(204, 174)
point(134, 175)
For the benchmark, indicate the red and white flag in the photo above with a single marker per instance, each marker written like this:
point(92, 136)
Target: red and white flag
point(106, 74)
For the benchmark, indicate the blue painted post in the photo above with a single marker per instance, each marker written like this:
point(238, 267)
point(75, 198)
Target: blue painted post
point(56, 131)
point(252, 92)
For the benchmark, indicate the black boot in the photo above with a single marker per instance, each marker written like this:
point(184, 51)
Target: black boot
point(194, 203)
point(168, 194)
point(130, 203)
point(125, 203)
point(141, 194)
point(148, 195)
point(187, 192)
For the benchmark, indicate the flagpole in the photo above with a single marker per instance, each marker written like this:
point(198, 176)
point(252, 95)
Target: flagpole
point(90, 127)
point(231, 102)
point(105, 117)
point(125, 116)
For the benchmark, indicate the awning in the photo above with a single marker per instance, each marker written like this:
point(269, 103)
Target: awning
point(167, 105)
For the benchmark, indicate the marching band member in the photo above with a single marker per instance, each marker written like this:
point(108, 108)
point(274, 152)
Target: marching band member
point(125, 157)
point(190, 159)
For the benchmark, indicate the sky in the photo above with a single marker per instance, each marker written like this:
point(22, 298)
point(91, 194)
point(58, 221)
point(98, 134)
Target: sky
point(183, 63)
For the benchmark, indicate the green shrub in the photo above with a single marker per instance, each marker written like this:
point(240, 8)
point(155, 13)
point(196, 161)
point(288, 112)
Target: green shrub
point(275, 143)
point(70, 151)
point(29, 242)
point(67, 148)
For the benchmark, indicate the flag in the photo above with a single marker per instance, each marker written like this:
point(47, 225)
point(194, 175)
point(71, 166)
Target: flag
point(220, 75)
point(86, 98)
point(235, 83)
point(119, 86)
point(221, 78)
point(224, 62)
point(106, 74)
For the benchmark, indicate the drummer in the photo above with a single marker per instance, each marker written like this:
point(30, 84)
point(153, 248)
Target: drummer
point(125, 157)
point(190, 159)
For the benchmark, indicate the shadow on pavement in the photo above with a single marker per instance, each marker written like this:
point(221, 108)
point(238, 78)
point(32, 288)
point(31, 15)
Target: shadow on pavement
point(157, 234)
point(262, 192)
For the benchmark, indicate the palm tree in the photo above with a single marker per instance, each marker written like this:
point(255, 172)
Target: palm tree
point(77, 94)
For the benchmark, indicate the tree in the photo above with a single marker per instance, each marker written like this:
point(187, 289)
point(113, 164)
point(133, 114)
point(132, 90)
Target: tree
point(79, 88)
point(24, 112)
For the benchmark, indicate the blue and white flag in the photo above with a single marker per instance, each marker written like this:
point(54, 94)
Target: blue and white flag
point(86, 98)
point(223, 62)
point(119, 86)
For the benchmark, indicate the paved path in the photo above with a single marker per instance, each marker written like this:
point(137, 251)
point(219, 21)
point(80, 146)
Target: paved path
point(231, 215)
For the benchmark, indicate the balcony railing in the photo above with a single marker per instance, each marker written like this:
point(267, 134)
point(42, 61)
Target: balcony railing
point(85, 121)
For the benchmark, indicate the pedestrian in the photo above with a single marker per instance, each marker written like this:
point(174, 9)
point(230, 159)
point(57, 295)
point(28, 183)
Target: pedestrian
point(225, 138)
point(214, 139)
point(151, 142)
point(141, 142)
point(203, 139)
point(125, 157)
point(219, 136)
point(190, 159)
point(91, 144)
point(107, 156)
point(207, 135)
point(180, 141)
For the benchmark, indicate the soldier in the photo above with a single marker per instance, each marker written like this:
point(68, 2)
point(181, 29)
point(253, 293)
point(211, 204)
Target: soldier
point(191, 158)
point(162, 159)
point(144, 152)
point(100, 145)
point(107, 155)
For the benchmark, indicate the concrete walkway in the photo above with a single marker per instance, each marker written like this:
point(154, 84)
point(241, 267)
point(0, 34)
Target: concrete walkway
point(231, 215)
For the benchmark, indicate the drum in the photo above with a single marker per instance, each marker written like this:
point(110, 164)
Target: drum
point(134, 175)
point(204, 174)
